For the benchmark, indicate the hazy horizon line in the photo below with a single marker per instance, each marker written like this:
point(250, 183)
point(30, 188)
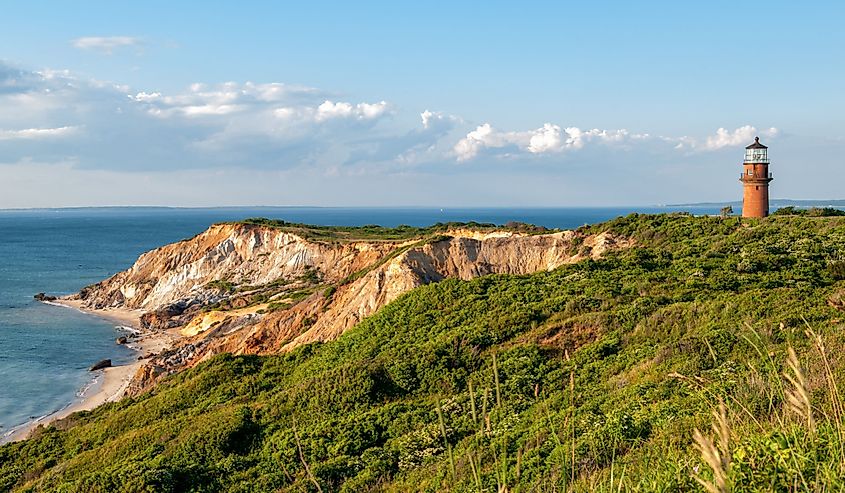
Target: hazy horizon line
point(412, 206)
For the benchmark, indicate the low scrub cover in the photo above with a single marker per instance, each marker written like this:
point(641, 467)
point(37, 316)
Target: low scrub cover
point(707, 357)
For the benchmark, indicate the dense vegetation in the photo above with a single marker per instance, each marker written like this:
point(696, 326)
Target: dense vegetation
point(811, 211)
point(592, 377)
point(380, 233)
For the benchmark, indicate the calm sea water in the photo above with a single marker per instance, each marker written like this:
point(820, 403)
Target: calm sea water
point(45, 350)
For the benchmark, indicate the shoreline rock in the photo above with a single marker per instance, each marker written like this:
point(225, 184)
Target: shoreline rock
point(44, 297)
point(106, 363)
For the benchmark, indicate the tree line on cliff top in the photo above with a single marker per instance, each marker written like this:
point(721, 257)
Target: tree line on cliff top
point(707, 357)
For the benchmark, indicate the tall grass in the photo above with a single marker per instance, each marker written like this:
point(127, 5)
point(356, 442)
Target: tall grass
point(792, 450)
point(716, 453)
point(785, 435)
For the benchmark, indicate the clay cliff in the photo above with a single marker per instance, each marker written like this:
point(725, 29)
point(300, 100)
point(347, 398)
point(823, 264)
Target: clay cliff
point(257, 289)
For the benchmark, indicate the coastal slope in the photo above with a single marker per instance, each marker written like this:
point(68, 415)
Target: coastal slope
point(631, 372)
point(261, 287)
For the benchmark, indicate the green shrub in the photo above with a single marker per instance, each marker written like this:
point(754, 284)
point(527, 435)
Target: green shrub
point(603, 370)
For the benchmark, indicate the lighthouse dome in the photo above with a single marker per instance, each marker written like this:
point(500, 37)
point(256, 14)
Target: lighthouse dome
point(756, 144)
point(757, 153)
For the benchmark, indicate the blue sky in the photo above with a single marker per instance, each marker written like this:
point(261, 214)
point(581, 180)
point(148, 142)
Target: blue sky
point(425, 103)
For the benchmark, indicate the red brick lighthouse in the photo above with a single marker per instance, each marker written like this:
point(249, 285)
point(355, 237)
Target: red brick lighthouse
point(755, 180)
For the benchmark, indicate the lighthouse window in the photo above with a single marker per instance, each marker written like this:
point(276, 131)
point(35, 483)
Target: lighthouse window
point(757, 188)
point(750, 172)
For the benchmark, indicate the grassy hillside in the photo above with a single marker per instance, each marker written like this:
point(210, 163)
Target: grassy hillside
point(593, 377)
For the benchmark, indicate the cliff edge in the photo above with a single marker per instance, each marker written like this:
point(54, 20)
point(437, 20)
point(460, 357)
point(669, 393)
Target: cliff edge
point(257, 289)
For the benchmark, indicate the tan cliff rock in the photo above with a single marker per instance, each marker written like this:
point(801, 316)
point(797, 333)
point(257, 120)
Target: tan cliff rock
point(234, 252)
point(250, 289)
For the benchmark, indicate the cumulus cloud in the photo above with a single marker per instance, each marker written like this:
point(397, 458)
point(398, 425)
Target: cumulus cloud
point(552, 139)
point(439, 123)
point(741, 136)
point(258, 125)
point(545, 139)
point(105, 44)
point(222, 99)
point(285, 102)
point(362, 111)
point(58, 116)
point(549, 138)
point(429, 118)
point(469, 147)
point(723, 138)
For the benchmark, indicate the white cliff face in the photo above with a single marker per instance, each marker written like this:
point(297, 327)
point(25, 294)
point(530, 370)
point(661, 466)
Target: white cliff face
point(235, 253)
point(469, 257)
point(364, 276)
point(463, 257)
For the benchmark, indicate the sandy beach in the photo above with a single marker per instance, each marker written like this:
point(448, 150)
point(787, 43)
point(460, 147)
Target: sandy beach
point(111, 383)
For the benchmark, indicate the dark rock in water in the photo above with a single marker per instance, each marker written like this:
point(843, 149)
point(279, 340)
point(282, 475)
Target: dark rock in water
point(121, 340)
point(44, 297)
point(106, 363)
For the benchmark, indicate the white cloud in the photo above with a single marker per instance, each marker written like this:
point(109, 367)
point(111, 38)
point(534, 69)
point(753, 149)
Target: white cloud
point(145, 97)
point(272, 125)
point(329, 110)
point(545, 139)
point(105, 44)
point(429, 118)
point(58, 116)
point(37, 133)
point(724, 138)
point(438, 122)
point(549, 138)
point(469, 147)
point(70, 140)
point(741, 136)
point(286, 102)
point(197, 101)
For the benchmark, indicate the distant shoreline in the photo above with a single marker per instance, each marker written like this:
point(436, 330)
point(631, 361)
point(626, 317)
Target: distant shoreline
point(270, 208)
point(111, 383)
point(773, 202)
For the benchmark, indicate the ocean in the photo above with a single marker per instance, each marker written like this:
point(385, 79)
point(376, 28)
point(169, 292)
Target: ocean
point(45, 350)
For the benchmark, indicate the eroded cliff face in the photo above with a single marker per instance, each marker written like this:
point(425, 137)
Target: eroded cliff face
point(249, 289)
point(238, 254)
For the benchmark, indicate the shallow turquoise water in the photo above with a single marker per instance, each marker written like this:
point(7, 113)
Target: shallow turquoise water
point(45, 350)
